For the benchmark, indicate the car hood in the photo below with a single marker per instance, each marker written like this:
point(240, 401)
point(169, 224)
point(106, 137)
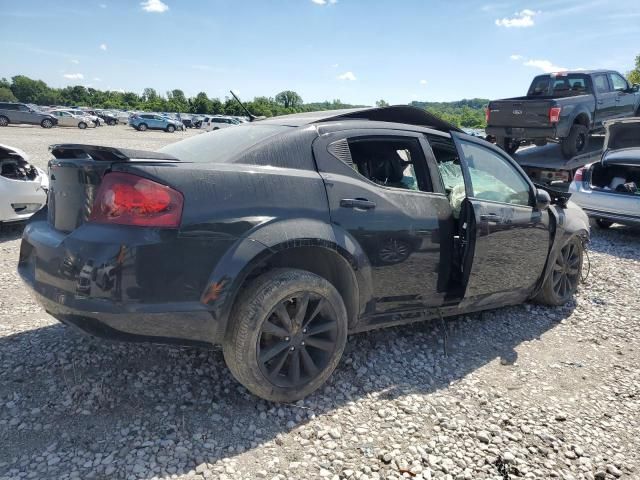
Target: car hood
point(622, 134)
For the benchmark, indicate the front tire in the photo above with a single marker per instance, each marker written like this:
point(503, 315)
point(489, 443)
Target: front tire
point(287, 334)
point(576, 142)
point(562, 282)
point(142, 127)
point(82, 125)
point(171, 129)
point(4, 121)
point(46, 123)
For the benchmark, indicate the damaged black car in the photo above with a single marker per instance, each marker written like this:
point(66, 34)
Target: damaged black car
point(278, 238)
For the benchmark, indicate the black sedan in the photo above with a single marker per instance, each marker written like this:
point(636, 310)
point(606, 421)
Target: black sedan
point(279, 237)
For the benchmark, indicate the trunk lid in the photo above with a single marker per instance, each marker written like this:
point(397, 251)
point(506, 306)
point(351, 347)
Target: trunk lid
point(75, 175)
point(622, 134)
point(519, 112)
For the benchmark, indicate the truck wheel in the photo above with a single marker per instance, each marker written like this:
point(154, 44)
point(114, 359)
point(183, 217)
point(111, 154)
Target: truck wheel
point(4, 121)
point(287, 334)
point(576, 142)
point(508, 144)
point(602, 223)
point(564, 277)
point(46, 123)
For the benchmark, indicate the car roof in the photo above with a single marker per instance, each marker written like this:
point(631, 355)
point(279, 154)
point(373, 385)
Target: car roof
point(401, 114)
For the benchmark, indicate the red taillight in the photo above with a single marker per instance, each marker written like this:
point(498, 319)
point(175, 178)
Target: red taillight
point(127, 199)
point(577, 177)
point(486, 115)
point(554, 114)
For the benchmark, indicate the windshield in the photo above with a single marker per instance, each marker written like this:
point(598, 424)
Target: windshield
point(222, 145)
point(559, 85)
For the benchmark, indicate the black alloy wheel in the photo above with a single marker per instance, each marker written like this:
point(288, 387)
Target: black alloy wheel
point(297, 340)
point(566, 270)
point(394, 251)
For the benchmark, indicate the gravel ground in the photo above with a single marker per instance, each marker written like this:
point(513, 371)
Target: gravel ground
point(521, 392)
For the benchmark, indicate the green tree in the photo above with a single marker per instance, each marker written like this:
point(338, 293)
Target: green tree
point(381, 103)
point(289, 99)
point(6, 95)
point(201, 104)
point(28, 90)
point(634, 75)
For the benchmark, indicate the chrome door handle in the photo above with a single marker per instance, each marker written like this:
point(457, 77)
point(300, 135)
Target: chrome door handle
point(357, 203)
point(490, 217)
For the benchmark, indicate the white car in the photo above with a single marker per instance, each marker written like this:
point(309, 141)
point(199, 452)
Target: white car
point(94, 118)
point(23, 187)
point(216, 123)
point(68, 119)
point(609, 190)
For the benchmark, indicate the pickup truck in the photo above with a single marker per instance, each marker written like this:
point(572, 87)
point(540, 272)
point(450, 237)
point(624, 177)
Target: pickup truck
point(564, 107)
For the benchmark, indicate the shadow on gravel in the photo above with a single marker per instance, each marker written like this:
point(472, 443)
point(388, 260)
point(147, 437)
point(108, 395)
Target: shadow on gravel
point(9, 232)
point(164, 410)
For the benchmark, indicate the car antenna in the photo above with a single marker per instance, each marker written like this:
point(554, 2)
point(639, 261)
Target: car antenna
point(251, 116)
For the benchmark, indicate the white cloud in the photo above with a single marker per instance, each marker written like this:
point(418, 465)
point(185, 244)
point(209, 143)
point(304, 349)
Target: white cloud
point(544, 65)
point(347, 76)
point(423, 82)
point(73, 76)
point(325, 2)
point(75, 62)
point(96, 79)
point(103, 47)
point(520, 19)
point(154, 6)
point(516, 57)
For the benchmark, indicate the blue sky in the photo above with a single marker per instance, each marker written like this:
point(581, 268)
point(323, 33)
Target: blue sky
point(355, 50)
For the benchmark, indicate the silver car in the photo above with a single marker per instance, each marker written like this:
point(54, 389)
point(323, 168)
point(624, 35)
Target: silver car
point(67, 119)
point(609, 190)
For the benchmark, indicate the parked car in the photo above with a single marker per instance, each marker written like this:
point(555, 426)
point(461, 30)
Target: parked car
point(108, 117)
point(97, 121)
point(609, 190)
point(279, 237)
point(216, 123)
point(153, 121)
point(565, 107)
point(16, 113)
point(66, 118)
point(23, 187)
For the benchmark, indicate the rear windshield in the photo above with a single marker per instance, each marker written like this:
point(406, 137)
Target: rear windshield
point(559, 85)
point(222, 145)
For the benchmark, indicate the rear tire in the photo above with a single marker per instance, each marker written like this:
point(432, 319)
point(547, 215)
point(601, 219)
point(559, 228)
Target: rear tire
point(171, 129)
point(562, 282)
point(270, 347)
point(4, 121)
point(82, 125)
point(508, 144)
point(142, 127)
point(46, 123)
point(604, 224)
point(111, 123)
point(576, 142)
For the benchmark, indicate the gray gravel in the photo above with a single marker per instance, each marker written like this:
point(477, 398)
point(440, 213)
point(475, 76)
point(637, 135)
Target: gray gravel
point(525, 392)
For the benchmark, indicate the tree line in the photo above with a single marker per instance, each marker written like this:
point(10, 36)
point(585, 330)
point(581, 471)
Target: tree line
point(24, 89)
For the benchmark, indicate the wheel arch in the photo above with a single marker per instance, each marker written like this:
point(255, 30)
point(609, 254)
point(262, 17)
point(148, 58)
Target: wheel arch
point(335, 258)
point(583, 118)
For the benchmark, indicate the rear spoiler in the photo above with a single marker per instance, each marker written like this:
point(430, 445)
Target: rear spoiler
point(558, 197)
point(107, 154)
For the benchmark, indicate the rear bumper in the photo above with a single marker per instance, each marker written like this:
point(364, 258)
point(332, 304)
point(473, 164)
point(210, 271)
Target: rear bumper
point(130, 284)
point(523, 133)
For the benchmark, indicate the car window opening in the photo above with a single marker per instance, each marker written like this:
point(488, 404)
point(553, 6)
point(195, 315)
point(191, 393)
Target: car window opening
point(396, 163)
point(623, 179)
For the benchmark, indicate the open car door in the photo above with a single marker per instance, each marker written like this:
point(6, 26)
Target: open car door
point(505, 239)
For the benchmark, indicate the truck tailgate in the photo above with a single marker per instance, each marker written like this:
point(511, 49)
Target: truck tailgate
point(519, 113)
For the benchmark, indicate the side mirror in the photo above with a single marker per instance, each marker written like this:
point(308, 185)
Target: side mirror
point(635, 87)
point(543, 199)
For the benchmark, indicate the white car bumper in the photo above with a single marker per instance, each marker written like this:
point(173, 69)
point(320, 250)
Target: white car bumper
point(19, 199)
